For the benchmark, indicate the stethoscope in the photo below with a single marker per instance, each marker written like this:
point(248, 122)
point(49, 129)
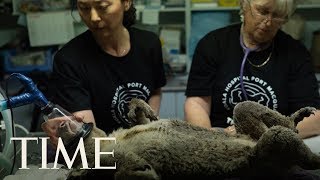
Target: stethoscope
point(246, 53)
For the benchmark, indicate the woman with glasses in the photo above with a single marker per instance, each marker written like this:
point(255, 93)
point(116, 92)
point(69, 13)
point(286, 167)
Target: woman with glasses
point(256, 61)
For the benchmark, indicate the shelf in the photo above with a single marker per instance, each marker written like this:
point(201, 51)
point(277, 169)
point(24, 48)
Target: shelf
point(141, 8)
point(173, 9)
point(309, 6)
point(302, 6)
point(214, 9)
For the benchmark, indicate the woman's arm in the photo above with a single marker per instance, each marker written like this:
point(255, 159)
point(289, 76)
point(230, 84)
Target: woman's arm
point(197, 110)
point(309, 126)
point(155, 101)
point(303, 89)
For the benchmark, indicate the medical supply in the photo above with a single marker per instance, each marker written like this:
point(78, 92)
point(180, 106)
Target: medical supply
point(53, 111)
point(228, 3)
point(245, 58)
point(50, 110)
point(246, 53)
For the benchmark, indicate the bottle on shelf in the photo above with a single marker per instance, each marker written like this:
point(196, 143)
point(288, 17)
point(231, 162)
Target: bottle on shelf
point(177, 61)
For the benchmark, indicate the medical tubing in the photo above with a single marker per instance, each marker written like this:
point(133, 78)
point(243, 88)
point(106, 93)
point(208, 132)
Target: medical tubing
point(36, 95)
point(8, 150)
point(6, 116)
point(3, 105)
point(241, 74)
point(5, 163)
point(32, 95)
point(246, 53)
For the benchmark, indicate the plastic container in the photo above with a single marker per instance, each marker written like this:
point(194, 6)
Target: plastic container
point(27, 62)
point(228, 3)
point(177, 61)
point(66, 121)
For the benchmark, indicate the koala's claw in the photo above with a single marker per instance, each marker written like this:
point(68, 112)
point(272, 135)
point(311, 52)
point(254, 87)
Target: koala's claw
point(150, 114)
point(302, 113)
point(140, 112)
point(132, 115)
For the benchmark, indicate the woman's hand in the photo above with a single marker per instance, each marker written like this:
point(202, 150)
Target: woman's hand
point(231, 130)
point(309, 126)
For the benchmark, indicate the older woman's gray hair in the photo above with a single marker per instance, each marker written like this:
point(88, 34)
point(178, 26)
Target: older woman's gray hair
point(286, 7)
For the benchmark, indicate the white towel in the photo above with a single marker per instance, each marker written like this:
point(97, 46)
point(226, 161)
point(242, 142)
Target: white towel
point(314, 144)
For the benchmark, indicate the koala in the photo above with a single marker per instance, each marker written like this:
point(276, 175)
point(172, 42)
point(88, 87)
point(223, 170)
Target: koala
point(267, 145)
point(254, 119)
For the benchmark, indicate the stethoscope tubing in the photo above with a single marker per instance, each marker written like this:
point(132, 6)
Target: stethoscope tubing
point(246, 53)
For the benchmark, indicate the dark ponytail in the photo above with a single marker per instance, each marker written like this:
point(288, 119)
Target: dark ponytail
point(129, 17)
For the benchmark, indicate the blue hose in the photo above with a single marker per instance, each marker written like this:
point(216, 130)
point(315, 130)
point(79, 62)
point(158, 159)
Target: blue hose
point(31, 95)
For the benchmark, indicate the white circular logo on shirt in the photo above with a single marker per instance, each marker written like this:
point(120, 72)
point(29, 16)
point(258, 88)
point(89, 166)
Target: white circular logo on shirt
point(257, 90)
point(122, 97)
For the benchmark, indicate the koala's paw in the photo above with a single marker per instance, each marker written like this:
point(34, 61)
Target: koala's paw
point(279, 139)
point(149, 113)
point(132, 114)
point(302, 113)
point(140, 111)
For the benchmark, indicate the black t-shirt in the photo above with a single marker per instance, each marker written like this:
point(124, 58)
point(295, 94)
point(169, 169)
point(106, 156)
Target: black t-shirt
point(286, 83)
point(87, 78)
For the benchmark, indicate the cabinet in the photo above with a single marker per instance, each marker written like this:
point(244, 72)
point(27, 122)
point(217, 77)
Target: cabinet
point(310, 13)
point(172, 105)
point(173, 98)
point(184, 17)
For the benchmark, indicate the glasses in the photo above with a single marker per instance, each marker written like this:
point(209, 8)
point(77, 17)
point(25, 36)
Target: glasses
point(265, 15)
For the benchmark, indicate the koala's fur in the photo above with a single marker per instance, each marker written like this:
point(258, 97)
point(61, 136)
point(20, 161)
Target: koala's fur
point(165, 149)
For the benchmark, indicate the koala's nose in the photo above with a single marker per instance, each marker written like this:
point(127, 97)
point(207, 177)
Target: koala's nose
point(63, 124)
